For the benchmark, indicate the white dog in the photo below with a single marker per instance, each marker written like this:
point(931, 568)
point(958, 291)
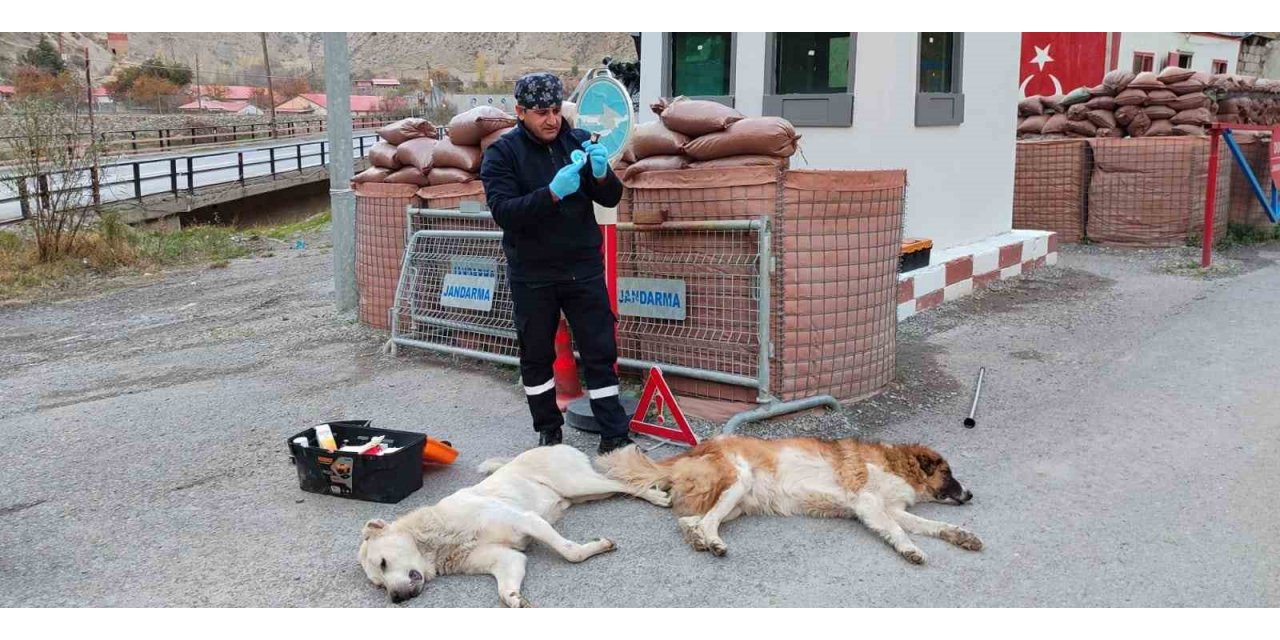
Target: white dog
point(483, 529)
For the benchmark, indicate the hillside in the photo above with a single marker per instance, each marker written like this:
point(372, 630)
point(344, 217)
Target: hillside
point(226, 58)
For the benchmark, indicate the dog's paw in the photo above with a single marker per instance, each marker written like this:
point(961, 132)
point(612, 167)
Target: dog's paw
point(691, 533)
point(658, 497)
point(606, 545)
point(717, 547)
point(516, 600)
point(914, 556)
point(963, 539)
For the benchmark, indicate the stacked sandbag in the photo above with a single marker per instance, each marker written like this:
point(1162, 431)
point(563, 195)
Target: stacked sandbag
point(402, 131)
point(1246, 100)
point(454, 163)
point(456, 159)
point(707, 134)
point(1173, 102)
point(654, 147)
point(415, 158)
point(402, 155)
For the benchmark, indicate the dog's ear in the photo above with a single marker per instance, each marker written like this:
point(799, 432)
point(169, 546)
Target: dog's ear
point(374, 528)
point(928, 463)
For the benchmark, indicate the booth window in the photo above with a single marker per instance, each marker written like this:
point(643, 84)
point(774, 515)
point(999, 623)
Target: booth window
point(1143, 61)
point(700, 65)
point(940, 92)
point(809, 78)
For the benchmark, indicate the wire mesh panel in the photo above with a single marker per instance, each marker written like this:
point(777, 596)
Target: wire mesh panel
point(379, 247)
point(1050, 181)
point(453, 293)
point(836, 236)
point(1150, 192)
point(841, 234)
point(696, 195)
point(690, 298)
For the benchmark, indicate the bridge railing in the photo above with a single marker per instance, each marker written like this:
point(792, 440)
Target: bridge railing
point(165, 138)
point(135, 179)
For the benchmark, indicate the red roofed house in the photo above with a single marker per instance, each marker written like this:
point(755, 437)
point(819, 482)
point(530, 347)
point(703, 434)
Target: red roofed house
point(222, 106)
point(102, 96)
point(118, 43)
point(228, 98)
point(378, 86)
point(314, 103)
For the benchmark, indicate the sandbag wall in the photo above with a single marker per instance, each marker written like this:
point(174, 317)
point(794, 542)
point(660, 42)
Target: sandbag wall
point(1151, 193)
point(1137, 192)
point(836, 238)
point(701, 134)
point(1173, 102)
point(380, 219)
point(1050, 180)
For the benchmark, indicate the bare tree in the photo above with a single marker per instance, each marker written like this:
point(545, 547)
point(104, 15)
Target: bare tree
point(52, 161)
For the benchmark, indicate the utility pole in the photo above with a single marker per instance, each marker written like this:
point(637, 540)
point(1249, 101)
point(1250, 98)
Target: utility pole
point(93, 132)
point(199, 87)
point(342, 200)
point(271, 93)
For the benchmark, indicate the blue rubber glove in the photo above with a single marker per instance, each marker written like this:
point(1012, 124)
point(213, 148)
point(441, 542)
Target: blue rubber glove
point(599, 158)
point(567, 181)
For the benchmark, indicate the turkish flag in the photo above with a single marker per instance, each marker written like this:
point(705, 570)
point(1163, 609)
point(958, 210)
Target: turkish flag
point(1055, 63)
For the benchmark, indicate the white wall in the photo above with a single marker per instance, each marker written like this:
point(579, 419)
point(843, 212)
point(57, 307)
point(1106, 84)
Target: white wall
point(960, 178)
point(1205, 49)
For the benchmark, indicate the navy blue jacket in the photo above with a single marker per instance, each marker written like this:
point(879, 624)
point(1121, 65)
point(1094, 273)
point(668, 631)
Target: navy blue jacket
point(544, 240)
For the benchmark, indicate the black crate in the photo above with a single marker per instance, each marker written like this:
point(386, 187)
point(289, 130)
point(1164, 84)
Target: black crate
point(385, 478)
point(914, 256)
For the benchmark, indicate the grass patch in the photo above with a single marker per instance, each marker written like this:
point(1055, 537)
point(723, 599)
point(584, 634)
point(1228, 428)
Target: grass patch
point(281, 232)
point(110, 246)
point(188, 246)
point(1243, 235)
point(1239, 235)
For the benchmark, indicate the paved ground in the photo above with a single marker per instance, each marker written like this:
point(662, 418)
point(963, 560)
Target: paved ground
point(1126, 453)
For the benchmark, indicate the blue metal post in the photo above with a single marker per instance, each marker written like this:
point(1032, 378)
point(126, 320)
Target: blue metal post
point(1269, 207)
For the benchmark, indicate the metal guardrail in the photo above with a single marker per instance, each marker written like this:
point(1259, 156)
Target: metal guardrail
point(134, 179)
point(163, 138)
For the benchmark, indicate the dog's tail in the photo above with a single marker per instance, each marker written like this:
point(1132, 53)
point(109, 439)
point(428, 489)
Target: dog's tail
point(633, 468)
point(492, 464)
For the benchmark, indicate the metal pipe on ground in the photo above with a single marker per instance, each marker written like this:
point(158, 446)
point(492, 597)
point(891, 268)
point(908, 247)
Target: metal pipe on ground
point(971, 420)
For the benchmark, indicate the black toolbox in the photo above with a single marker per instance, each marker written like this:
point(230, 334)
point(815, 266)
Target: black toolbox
point(385, 478)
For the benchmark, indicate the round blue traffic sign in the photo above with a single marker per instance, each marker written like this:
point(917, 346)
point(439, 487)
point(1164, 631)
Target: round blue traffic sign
point(604, 108)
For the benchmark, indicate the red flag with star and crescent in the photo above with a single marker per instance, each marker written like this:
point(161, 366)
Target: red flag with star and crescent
point(1054, 63)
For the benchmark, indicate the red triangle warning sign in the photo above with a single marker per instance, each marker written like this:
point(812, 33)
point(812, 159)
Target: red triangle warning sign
point(658, 393)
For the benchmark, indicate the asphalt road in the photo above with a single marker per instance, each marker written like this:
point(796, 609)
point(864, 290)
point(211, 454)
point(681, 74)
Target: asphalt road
point(1126, 452)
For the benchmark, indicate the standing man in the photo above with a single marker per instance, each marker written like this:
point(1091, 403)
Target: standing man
point(542, 199)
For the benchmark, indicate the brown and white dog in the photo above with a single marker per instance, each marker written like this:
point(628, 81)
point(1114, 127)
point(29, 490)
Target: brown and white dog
point(728, 476)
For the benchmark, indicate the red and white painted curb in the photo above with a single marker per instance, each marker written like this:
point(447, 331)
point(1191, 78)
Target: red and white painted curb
point(955, 272)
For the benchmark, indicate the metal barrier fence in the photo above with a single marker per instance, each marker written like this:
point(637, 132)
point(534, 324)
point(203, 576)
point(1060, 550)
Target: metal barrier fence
point(693, 298)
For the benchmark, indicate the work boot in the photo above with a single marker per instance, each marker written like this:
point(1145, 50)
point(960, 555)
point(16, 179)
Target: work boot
point(610, 444)
point(550, 437)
